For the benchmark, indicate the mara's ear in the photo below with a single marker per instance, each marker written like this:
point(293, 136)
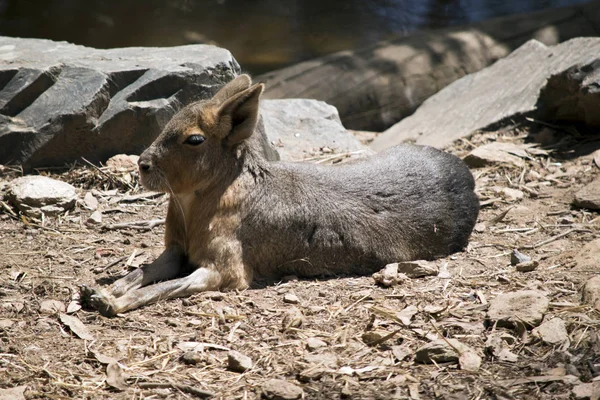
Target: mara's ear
point(235, 86)
point(238, 115)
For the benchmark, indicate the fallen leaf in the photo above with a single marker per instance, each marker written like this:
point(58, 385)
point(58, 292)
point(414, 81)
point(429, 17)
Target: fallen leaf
point(115, 377)
point(406, 314)
point(15, 393)
point(76, 326)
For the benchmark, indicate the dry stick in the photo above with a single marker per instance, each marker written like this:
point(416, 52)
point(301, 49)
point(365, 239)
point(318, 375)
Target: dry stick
point(112, 179)
point(141, 225)
point(107, 266)
point(184, 388)
point(554, 238)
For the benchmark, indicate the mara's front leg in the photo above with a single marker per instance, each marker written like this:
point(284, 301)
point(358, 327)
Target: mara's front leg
point(202, 279)
point(167, 266)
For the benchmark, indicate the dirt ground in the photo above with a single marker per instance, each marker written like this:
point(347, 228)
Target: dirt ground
point(47, 260)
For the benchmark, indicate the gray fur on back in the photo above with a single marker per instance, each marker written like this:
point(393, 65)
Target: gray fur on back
point(409, 202)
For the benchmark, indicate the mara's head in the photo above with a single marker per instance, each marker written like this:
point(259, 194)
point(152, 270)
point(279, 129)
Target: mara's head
point(198, 146)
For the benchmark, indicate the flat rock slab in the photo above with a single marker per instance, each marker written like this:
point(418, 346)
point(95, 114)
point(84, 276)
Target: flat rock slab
point(301, 128)
point(507, 89)
point(60, 102)
point(496, 153)
point(34, 195)
point(589, 195)
point(527, 307)
point(278, 389)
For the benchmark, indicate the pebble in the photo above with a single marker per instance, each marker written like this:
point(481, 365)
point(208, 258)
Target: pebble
point(527, 266)
point(495, 153)
point(278, 389)
point(51, 307)
point(290, 298)
point(389, 276)
point(587, 391)
point(526, 306)
point(328, 360)
point(123, 162)
point(191, 358)
point(517, 257)
point(591, 292)
point(552, 332)
point(313, 344)
point(35, 194)
point(238, 362)
point(95, 218)
point(440, 351)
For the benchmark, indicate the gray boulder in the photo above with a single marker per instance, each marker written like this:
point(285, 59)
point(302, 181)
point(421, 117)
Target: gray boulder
point(573, 95)
point(34, 195)
point(507, 89)
point(60, 102)
point(301, 128)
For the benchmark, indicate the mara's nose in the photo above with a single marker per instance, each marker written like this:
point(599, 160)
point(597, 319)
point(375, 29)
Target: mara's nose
point(144, 163)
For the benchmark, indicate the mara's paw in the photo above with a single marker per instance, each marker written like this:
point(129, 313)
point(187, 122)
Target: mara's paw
point(98, 300)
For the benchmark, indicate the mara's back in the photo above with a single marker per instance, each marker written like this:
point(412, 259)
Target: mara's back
point(409, 202)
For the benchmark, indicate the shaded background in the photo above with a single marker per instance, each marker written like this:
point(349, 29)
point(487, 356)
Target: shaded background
point(262, 34)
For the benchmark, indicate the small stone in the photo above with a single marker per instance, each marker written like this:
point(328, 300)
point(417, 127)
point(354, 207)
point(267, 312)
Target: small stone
point(552, 332)
point(311, 374)
point(327, 360)
point(51, 307)
point(517, 257)
point(588, 196)
point(95, 218)
point(191, 358)
point(511, 195)
point(469, 361)
point(6, 323)
point(527, 307)
point(480, 227)
point(591, 292)
point(90, 201)
point(495, 153)
point(238, 362)
point(35, 194)
point(585, 391)
point(313, 344)
point(290, 298)
point(292, 319)
point(418, 268)
point(441, 351)
point(527, 266)
point(278, 389)
point(123, 162)
point(587, 258)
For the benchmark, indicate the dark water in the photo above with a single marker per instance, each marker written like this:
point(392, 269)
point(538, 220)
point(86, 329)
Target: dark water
point(262, 34)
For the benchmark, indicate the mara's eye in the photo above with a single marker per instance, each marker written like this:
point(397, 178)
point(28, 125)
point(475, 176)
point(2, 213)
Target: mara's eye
point(195, 140)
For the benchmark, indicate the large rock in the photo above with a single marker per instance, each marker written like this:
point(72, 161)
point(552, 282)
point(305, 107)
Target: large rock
point(34, 195)
point(377, 86)
point(573, 95)
point(60, 102)
point(507, 89)
point(301, 128)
